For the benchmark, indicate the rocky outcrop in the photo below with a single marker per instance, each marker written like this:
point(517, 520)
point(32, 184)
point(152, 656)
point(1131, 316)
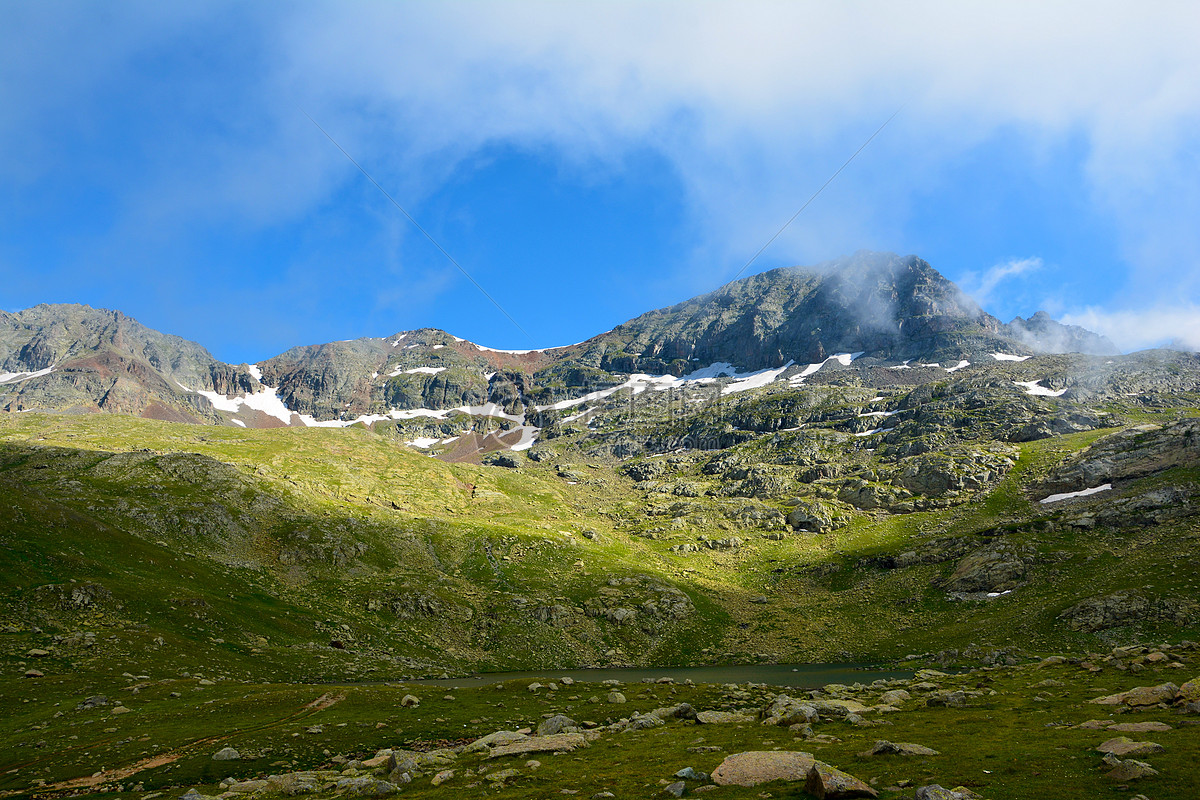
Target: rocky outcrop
point(1124, 608)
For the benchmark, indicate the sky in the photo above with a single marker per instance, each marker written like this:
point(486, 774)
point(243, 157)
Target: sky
point(586, 162)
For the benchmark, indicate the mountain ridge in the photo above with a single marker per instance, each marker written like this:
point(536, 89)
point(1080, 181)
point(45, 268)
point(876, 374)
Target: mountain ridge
point(882, 306)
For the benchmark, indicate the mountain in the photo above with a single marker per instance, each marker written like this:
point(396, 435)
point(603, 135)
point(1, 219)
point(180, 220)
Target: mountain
point(428, 385)
point(77, 358)
point(880, 304)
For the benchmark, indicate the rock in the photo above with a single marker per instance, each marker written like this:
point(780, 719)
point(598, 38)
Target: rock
point(1139, 727)
point(501, 777)
point(675, 789)
point(442, 777)
point(615, 697)
point(689, 774)
point(247, 787)
point(948, 699)
point(1189, 692)
point(784, 710)
point(830, 783)
point(1122, 608)
point(722, 717)
point(1141, 696)
point(34, 673)
point(366, 786)
point(993, 569)
point(885, 748)
point(92, 702)
point(1127, 769)
point(935, 792)
point(120, 710)
point(410, 701)
point(559, 723)
point(894, 698)
point(558, 743)
point(1124, 746)
point(759, 766)
point(497, 739)
point(38, 653)
point(226, 754)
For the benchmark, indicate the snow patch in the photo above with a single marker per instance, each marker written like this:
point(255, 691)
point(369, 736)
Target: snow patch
point(878, 413)
point(958, 366)
point(529, 435)
point(399, 339)
point(238, 422)
point(756, 379)
point(18, 377)
point(873, 432)
point(422, 370)
point(255, 371)
point(267, 401)
point(1054, 498)
point(1008, 357)
point(1034, 388)
point(423, 442)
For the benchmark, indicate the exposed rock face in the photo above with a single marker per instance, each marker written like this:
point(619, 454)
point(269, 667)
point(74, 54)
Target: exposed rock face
point(1124, 746)
point(1121, 608)
point(994, 569)
point(1132, 453)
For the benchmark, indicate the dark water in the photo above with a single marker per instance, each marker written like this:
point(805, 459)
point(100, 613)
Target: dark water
point(795, 675)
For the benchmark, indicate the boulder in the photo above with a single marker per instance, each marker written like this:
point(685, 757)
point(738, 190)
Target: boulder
point(497, 739)
point(1139, 727)
point(410, 701)
point(557, 743)
point(830, 783)
point(759, 766)
point(936, 792)
point(1124, 746)
point(226, 754)
point(559, 723)
point(785, 710)
point(885, 748)
point(1127, 769)
point(894, 698)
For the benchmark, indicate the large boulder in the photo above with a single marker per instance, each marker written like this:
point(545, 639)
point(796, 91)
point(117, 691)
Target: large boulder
point(557, 743)
point(830, 783)
point(1124, 746)
point(785, 710)
point(760, 766)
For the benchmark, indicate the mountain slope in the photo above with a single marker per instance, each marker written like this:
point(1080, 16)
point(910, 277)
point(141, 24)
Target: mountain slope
point(74, 357)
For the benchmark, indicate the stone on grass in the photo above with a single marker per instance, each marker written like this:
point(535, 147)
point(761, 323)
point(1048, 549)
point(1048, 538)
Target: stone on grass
point(830, 783)
point(410, 701)
point(759, 766)
point(936, 792)
point(497, 739)
point(615, 697)
point(885, 748)
point(1140, 727)
point(894, 698)
point(226, 754)
point(1124, 746)
point(675, 789)
point(687, 773)
point(1127, 769)
point(559, 723)
point(557, 743)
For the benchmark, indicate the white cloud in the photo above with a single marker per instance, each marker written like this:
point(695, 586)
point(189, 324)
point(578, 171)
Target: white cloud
point(980, 287)
point(1140, 329)
point(754, 104)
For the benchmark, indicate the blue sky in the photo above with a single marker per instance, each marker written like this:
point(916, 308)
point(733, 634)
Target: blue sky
point(588, 162)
